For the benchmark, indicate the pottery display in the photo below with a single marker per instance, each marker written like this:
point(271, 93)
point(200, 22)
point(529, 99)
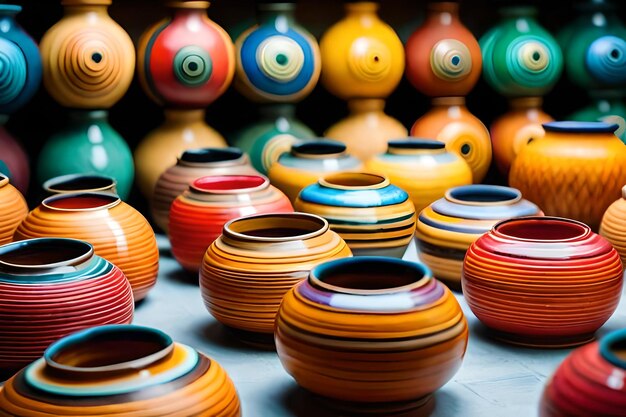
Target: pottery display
point(191, 165)
point(371, 334)
point(13, 209)
point(184, 62)
point(121, 370)
point(52, 287)
point(447, 228)
point(307, 162)
point(80, 182)
point(118, 232)
point(589, 382)
point(613, 225)
point(528, 278)
point(248, 269)
point(371, 215)
point(575, 171)
point(363, 62)
point(421, 167)
point(198, 215)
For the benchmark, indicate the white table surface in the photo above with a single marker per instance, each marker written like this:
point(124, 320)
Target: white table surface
point(495, 379)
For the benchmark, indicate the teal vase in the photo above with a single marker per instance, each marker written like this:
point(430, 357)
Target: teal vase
point(88, 145)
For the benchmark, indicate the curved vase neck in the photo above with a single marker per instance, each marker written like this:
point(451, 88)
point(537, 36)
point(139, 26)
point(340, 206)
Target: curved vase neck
point(366, 105)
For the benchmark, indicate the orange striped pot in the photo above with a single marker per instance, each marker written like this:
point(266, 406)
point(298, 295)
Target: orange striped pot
point(371, 333)
point(120, 371)
point(191, 165)
point(199, 214)
point(13, 209)
point(613, 226)
point(249, 268)
point(118, 232)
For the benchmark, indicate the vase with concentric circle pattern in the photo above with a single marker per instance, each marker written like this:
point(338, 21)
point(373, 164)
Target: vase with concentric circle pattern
point(371, 334)
point(118, 232)
point(542, 281)
point(121, 370)
point(613, 225)
point(198, 215)
point(51, 287)
point(13, 209)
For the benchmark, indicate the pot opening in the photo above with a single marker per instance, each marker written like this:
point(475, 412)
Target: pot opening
point(205, 155)
point(79, 183)
point(228, 183)
point(353, 179)
point(416, 144)
point(613, 348)
point(318, 148)
point(80, 201)
point(279, 226)
point(44, 252)
point(542, 228)
point(472, 194)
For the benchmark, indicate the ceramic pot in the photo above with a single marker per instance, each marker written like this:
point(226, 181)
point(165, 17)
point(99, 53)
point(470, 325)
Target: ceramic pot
point(73, 183)
point(13, 161)
point(121, 370)
point(371, 215)
point(118, 232)
point(447, 228)
point(13, 209)
point(88, 59)
point(609, 110)
point(526, 280)
point(613, 226)
point(422, 167)
point(257, 259)
point(52, 287)
point(575, 171)
point(277, 60)
point(371, 333)
point(191, 165)
point(88, 145)
point(589, 381)
point(198, 215)
point(307, 162)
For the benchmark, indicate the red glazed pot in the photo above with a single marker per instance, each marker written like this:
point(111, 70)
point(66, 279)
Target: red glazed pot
point(542, 281)
point(199, 214)
point(591, 381)
point(51, 287)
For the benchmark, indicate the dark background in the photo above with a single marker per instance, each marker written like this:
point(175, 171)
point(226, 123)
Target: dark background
point(136, 114)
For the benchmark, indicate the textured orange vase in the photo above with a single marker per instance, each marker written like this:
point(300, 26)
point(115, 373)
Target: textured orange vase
point(13, 209)
point(249, 268)
point(576, 171)
point(118, 232)
point(613, 226)
point(198, 215)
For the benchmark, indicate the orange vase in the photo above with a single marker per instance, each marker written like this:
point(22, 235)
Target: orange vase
point(613, 226)
point(13, 209)
point(118, 232)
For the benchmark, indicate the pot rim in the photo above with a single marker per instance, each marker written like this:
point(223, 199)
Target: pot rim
point(327, 181)
point(4, 180)
point(77, 260)
point(608, 342)
point(572, 126)
point(582, 227)
point(193, 157)
point(114, 202)
point(196, 185)
point(324, 227)
point(514, 194)
point(55, 181)
point(413, 144)
point(340, 149)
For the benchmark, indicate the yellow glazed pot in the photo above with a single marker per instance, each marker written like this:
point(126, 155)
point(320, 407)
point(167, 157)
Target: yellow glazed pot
point(576, 171)
point(13, 209)
point(613, 226)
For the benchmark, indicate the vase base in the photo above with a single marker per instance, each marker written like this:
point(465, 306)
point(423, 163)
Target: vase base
point(263, 341)
point(546, 342)
point(420, 407)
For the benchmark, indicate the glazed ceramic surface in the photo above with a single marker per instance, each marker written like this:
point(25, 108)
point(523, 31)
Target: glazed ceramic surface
point(14, 161)
point(118, 232)
point(372, 331)
point(88, 59)
point(80, 182)
point(13, 209)
point(590, 381)
point(307, 162)
point(542, 281)
point(613, 226)
point(371, 215)
point(257, 259)
point(447, 227)
point(424, 168)
point(575, 171)
point(121, 371)
point(191, 165)
point(52, 287)
point(198, 215)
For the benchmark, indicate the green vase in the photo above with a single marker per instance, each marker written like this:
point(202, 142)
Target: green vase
point(88, 145)
point(606, 110)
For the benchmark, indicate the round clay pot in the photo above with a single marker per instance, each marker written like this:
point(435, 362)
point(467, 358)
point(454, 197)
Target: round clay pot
point(191, 165)
point(121, 370)
point(51, 287)
point(447, 227)
point(542, 281)
point(257, 259)
point(422, 167)
point(13, 209)
point(198, 215)
point(589, 382)
point(72, 183)
point(118, 232)
point(613, 226)
point(371, 333)
point(371, 215)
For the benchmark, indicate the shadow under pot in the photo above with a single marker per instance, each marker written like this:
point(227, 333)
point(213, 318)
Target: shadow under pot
point(447, 228)
point(80, 183)
point(542, 281)
point(51, 287)
point(13, 209)
point(118, 232)
point(123, 368)
point(371, 334)
point(248, 269)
